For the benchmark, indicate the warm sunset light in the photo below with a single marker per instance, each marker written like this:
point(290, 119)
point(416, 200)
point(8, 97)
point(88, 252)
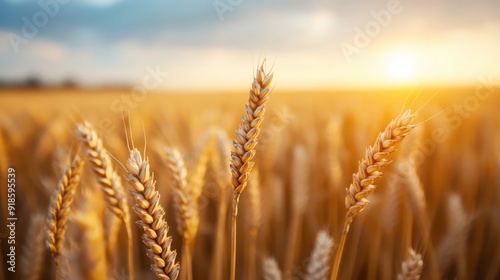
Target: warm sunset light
point(249, 140)
point(338, 45)
point(401, 67)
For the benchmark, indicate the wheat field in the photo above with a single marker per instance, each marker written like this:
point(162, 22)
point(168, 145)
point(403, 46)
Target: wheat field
point(157, 185)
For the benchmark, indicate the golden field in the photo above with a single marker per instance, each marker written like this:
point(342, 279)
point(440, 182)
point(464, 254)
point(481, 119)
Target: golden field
point(439, 196)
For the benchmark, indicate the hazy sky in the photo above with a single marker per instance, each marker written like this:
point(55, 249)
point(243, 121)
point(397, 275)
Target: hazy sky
point(212, 45)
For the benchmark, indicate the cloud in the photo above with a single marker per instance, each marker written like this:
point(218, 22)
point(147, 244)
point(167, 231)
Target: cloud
point(119, 38)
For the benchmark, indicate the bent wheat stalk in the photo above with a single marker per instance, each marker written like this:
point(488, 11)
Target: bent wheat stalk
point(244, 146)
point(110, 182)
point(60, 204)
point(369, 172)
point(151, 213)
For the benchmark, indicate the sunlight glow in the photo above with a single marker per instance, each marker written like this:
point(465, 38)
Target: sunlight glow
point(401, 66)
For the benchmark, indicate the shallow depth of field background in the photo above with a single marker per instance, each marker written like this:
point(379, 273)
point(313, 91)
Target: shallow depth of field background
point(179, 71)
point(459, 177)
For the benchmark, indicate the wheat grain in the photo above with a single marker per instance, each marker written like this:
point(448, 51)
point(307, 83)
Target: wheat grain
point(60, 204)
point(318, 266)
point(375, 158)
point(244, 146)
point(369, 172)
point(151, 213)
point(101, 165)
point(412, 267)
point(110, 182)
point(247, 134)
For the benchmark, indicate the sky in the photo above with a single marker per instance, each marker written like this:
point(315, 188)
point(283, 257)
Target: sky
point(210, 45)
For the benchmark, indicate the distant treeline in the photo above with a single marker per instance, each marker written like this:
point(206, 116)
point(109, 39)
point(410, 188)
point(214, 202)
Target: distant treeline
point(37, 83)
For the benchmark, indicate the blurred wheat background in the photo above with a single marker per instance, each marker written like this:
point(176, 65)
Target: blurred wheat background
point(445, 205)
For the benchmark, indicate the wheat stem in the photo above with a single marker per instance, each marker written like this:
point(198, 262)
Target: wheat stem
point(222, 179)
point(33, 252)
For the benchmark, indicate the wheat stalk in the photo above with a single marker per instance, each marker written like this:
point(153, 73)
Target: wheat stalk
point(369, 171)
point(184, 203)
point(86, 258)
point(60, 204)
point(255, 221)
point(300, 196)
point(453, 246)
point(244, 146)
point(271, 269)
point(33, 250)
point(110, 182)
point(416, 196)
point(318, 267)
point(197, 174)
point(412, 267)
point(101, 165)
point(151, 213)
point(223, 181)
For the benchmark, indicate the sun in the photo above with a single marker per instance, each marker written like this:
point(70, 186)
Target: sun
point(401, 66)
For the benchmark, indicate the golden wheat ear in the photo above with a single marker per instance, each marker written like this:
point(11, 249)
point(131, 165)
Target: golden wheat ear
point(244, 146)
point(151, 217)
point(369, 172)
point(108, 179)
point(60, 206)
